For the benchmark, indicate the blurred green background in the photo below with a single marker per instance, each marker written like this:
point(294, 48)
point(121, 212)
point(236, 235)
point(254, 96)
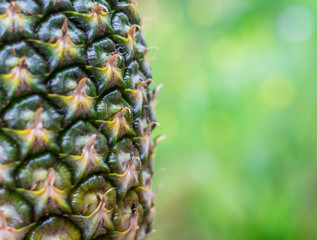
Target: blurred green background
point(239, 108)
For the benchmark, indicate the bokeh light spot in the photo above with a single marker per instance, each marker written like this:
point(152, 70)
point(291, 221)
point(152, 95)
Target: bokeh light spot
point(204, 163)
point(277, 91)
point(296, 23)
point(228, 54)
point(218, 128)
point(204, 12)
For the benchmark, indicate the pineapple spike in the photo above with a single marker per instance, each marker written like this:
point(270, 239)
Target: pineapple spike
point(161, 184)
point(21, 72)
point(34, 185)
point(17, 219)
point(47, 196)
point(122, 111)
point(35, 137)
point(22, 62)
point(85, 209)
point(54, 2)
point(129, 177)
point(100, 128)
point(119, 117)
point(119, 126)
point(146, 54)
point(150, 219)
point(11, 13)
point(138, 159)
point(18, 77)
point(90, 145)
point(158, 171)
point(145, 19)
point(52, 40)
point(159, 139)
point(102, 202)
point(147, 189)
point(112, 61)
point(50, 180)
point(37, 119)
point(10, 233)
point(139, 95)
point(157, 89)
point(149, 234)
point(14, 52)
point(89, 161)
point(4, 228)
point(81, 86)
point(132, 230)
point(151, 59)
point(149, 127)
point(3, 219)
point(130, 163)
point(100, 217)
point(106, 193)
point(114, 71)
point(145, 83)
point(29, 12)
point(78, 102)
point(132, 31)
point(150, 48)
point(65, 27)
point(61, 47)
point(98, 9)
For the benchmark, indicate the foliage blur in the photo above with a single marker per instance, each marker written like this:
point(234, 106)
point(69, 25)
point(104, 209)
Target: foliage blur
point(239, 108)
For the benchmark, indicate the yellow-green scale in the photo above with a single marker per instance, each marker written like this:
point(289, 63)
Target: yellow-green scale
point(76, 114)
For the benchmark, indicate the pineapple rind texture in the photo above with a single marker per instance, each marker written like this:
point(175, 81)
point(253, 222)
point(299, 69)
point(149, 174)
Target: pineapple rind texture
point(76, 116)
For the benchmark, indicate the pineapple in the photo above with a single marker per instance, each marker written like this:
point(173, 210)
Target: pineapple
point(76, 116)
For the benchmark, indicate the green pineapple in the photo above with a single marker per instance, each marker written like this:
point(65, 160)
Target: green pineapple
point(76, 116)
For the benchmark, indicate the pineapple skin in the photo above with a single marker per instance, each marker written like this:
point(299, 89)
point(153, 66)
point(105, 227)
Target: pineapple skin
point(76, 116)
